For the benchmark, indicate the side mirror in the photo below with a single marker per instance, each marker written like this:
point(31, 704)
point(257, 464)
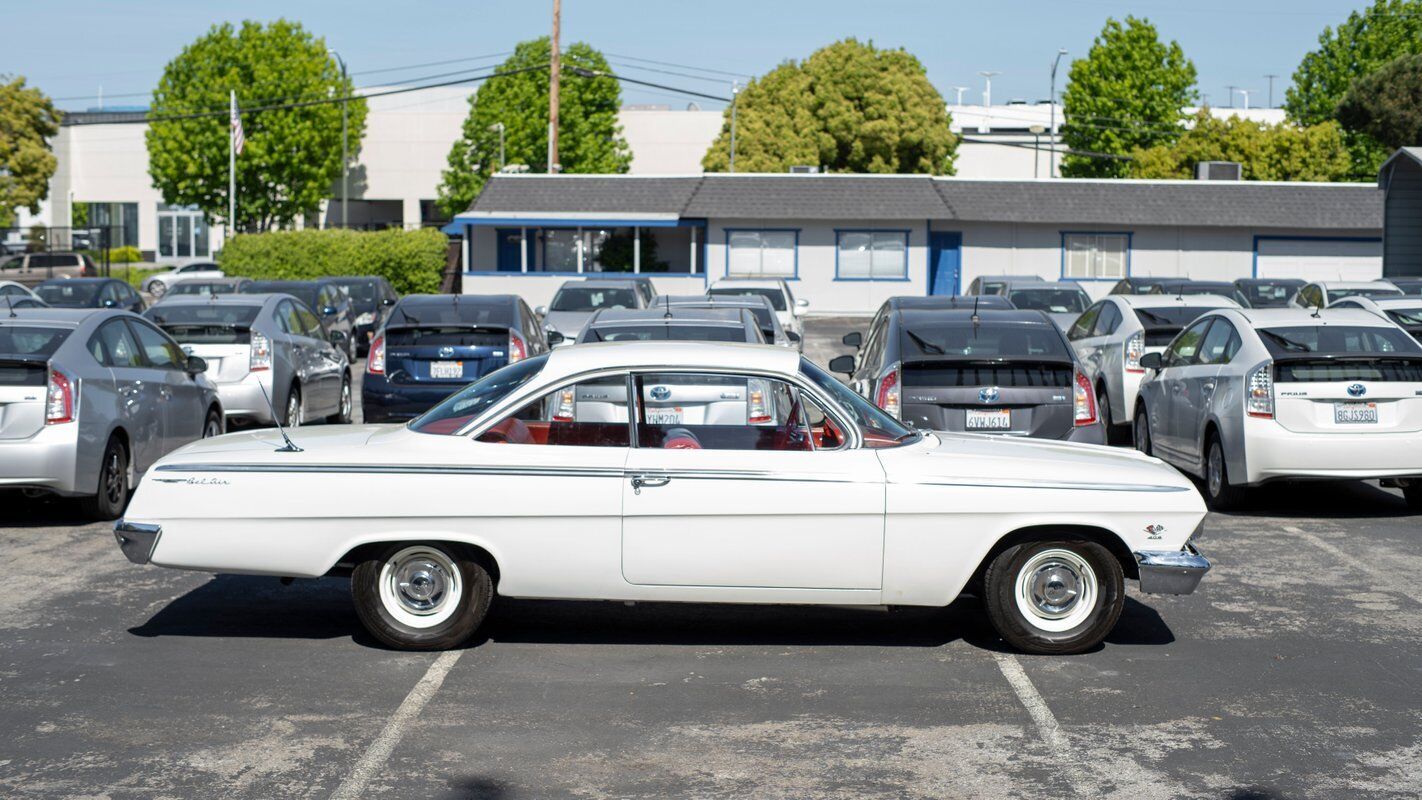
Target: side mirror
point(792, 336)
point(541, 311)
point(800, 306)
point(197, 365)
point(328, 310)
point(842, 364)
point(1152, 361)
point(387, 302)
point(853, 339)
point(555, 338)
point(109, 304)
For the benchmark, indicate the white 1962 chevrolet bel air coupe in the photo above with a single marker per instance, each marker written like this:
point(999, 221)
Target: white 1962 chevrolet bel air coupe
point(737, 474)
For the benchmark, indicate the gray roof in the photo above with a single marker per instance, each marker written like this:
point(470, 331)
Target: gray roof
point(872, 198)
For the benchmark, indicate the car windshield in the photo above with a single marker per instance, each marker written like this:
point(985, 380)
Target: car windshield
point(213, 323)
point(1337, 340)
point(1269, 295)
point(462, 407)
point(1052, 301)
point(202, 288)
point(591, 298)
point(879, 429)
point(775, 296)
point(361, 292)
point(1406, 317)
point(1335, 295)
point(303, 292)
point(656, 332)
point(984, 340)
point(69, 293)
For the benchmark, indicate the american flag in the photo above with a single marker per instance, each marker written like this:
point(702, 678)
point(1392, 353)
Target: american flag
point(238, 139)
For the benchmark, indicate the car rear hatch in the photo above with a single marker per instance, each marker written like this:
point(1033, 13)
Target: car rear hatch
point(226, 349)
point(444, 354)
point(1024, 397)
point(1357, 394)
point(23, 383)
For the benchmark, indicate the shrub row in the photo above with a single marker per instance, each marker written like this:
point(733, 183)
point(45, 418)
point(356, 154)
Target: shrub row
point(411, 260)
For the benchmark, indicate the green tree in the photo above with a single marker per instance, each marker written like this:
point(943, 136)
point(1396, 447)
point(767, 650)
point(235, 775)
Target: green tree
point(849, 107)
point(1362, 44)
point(1284, 152)
point(292, 156)
point(589, 138)
point(1387, 105)
point(27, 121)
point(1128, 93)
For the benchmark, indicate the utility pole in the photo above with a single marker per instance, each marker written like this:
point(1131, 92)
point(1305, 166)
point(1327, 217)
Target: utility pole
point(1052, 100)
point(231, 166)
point(1271, 89)
point(735, 92)
point(345, 146)
point(1231, 95)
point(555, 68)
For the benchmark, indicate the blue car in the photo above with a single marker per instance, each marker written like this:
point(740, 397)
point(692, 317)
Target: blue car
point(433, 345)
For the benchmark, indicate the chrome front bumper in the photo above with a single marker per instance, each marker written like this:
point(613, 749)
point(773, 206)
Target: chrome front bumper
point(1171, 571)
point(137, 540)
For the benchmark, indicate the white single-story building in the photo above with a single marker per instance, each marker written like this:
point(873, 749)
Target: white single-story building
point(850, 241)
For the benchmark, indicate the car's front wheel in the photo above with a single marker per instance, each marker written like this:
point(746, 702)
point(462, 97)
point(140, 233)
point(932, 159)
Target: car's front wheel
point(343, 411)
point(1221, 494)
point(1141, 431)
point(112, 495)
point(1054, 598)
point(157, 288)
point(421, 596)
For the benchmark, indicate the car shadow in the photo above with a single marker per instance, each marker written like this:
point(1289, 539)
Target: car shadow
point(18, 510)
point(240, 606)
point(1323, 499)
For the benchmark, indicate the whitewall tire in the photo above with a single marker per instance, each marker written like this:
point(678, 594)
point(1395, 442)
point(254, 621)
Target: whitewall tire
point(421, 596)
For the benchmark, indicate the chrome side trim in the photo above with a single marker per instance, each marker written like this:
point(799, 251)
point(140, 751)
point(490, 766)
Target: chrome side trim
point(745, 475)
point(1065, 485)
point(1171, 571)
point(137, 540)
point(401, 469)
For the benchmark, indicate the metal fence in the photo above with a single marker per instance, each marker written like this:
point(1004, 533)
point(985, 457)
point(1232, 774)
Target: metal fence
point(92, 242)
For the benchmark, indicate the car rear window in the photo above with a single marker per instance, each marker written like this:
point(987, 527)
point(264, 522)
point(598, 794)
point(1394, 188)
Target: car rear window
point(25, 351)
point(1335, 295)
point(68, 293)
point(304, 293)
point(1337, 340)
point(213, 323)
point(662, 333)
point(1406, 317)
point(362, 292)
point(199, 287)
point(775, 296)
point(1052, 301)
point(984, 340)
point(461, 314)
point(1265, 295)
point(462, 407)
point(589, 298)
point(1161, 324)
point(451, 335)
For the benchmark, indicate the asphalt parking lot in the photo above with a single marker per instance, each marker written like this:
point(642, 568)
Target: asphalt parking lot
point(1295, 671)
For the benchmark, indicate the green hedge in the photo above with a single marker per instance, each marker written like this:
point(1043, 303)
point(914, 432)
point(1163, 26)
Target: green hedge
point(124, 255)
point(411, 260)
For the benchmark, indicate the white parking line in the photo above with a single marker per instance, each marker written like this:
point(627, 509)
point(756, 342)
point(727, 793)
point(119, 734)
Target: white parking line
point(384, 744)
point(1381, 579)
point(1032, 700)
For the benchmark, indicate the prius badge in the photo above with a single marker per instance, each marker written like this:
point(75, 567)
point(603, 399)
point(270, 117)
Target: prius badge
point(660, 393)
point(988, 395)
point(1357, 390)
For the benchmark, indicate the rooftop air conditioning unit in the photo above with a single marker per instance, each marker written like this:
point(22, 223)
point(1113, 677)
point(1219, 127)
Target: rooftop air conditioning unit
point(1219, 171)
point(804, 169)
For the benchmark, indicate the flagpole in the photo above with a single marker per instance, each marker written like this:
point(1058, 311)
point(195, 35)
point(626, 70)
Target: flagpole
point(232, 166)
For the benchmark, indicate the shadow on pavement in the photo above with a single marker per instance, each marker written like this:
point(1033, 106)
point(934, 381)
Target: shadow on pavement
point(477, 787)
point(43, 511)
point(1323, 499)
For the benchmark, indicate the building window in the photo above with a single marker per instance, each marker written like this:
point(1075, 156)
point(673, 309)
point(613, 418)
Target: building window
point(872, 255)
point(1095, 256)
point(182, 233)
point(768, 253)
point(117, 221)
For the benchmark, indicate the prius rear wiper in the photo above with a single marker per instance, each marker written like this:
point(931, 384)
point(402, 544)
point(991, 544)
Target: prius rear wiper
point(925, 345)
point(1287, 343)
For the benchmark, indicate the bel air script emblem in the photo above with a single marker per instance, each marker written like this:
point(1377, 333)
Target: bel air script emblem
point(660, 393)
point(988, 395)
point(1357, 390)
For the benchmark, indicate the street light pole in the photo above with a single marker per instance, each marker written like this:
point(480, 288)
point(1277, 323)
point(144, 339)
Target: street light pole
point(345, 145)
point(1036, 148)
point(1271, 89)
point(1052, 101)
point(499, 126)
point(735, 92)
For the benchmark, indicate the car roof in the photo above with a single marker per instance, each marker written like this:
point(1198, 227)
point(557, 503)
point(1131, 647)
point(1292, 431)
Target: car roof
point(984, 301)
point(735, 301)
point(1256, 281)
point(354, 278)
point(600, 283)
point(1379, 284)
point(753, 283)
point(245, 299)
point(986, 316)
point(429, 300)
point(60, 316)
point(1041, 284)
point(1384, 303)
point(566, 361)
point(1008, 278)
point(1270, 317)
point(1193, 282)
point(1168, 300)
point(79, 281)
point(315, 282)
point(718, 316)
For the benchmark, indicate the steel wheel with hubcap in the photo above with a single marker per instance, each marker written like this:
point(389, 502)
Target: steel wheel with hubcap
point(1222, 495)
point(293, 408)
point(1141, 432)
point(421, 596)
point(1054, 597)
point(213, 426)
point(113, 488)
point(343, 413)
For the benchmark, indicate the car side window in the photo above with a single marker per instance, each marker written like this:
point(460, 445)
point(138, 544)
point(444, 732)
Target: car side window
point(113, 346)
point(285, 317)
point(1215, 349)
point(592, 413)
point(1086, 323)
point(1107, 323)
point(159, 350)
point(701, 411)
point(1186, 347)
point(310, 325)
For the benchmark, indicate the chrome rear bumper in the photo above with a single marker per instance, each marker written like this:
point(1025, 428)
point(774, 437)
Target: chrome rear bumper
point(1171, 571)
point(137, 540)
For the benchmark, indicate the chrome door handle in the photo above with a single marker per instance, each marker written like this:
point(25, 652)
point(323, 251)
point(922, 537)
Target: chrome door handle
point(649, 481)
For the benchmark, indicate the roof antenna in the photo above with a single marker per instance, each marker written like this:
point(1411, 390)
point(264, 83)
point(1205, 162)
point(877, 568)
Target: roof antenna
point(290, 446)
point(11, 303)
point(975, 317)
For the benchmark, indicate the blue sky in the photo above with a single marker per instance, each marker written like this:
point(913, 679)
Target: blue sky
point(73, 48)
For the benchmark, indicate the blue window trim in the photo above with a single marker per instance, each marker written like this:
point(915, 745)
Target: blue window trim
point(1254, 255)
point(1064, 234)
point(726, 262)
point(905, 272)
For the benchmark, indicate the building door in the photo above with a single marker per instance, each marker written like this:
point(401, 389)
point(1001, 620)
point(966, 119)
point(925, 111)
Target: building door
point(1318, 258)
point(945, 262)
point(182, 233)
point(508, 260)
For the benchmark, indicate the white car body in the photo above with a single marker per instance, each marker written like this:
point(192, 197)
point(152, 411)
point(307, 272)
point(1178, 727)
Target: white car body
point(157, 285)
point(1323, 294)
point(794, 309)
point(1405, 312)
point(1307, 422)
point(903, 525)
point(1103, 349)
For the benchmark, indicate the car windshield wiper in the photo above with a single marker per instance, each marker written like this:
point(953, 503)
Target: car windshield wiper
point(925, 345)
point(1162, 321)
point(1287, 343)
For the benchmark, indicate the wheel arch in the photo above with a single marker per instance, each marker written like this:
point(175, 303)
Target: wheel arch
point(367, 550)
point(1048, 533)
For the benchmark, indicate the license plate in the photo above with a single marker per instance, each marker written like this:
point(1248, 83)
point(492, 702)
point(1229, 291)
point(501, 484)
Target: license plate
point(446, 369)
point(1355, 413)
point(663, 416)
point(992, 419)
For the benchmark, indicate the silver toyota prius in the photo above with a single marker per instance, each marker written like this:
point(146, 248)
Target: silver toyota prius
point(89, 398)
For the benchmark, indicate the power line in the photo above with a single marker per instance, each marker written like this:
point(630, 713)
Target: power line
point(434, 63)
point(680, 66)
point(584, 72)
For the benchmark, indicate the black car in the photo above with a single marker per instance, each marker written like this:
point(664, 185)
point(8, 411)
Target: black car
point(90, 293)
point(978, 302)
point(433, 345)
point(373, 297)
point(1189, 287)
point(329, 300)
point(1268, 292)
point(1141, 285)
point(994, 371)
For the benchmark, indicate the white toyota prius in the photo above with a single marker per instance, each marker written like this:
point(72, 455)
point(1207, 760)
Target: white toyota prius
point(740, 473)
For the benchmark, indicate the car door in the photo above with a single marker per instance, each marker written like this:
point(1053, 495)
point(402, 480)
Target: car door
point(726, 490)
point(141, 396)
point(292, 346)
point(324, 384)
point(184, 407)
point(1185, 384)
point(1083, 337)
point(1210, 385)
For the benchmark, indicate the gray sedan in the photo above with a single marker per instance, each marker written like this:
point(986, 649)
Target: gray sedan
point(256, 343)
point(90, 398)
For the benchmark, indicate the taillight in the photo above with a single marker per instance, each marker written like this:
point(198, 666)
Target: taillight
point(59, 401)
point(565, 410)
point(375, 361)
point(757, 402)
point(1259, 391)
point(517, 350)
point(1085, 400)
point(261, 352)
point(887, 397)
point(1135, 348)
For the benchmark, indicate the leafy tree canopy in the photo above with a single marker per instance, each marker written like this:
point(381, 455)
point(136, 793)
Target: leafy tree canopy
point(292, 157)
point(1387, 105)
point(27, 121)
point(849, 107)
point(1126, 94)
point(1283, 152)
point(589, 138)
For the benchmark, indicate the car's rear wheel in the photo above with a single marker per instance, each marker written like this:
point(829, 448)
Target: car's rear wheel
point(421, 596)
point(1221, 494)
point(343, 412)
point(1141, 431)
point(213, 425)
point(1103, 411)
point(292, 418)
point(1054, 598)
point(112, 496)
